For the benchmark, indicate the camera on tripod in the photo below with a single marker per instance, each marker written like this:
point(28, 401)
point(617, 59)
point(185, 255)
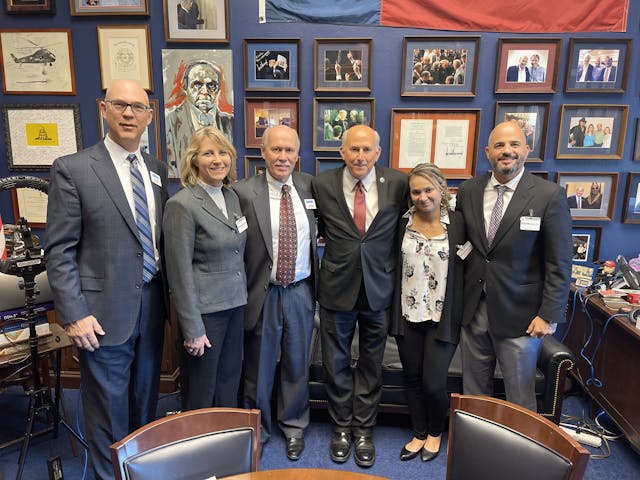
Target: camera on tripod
point(26, 258)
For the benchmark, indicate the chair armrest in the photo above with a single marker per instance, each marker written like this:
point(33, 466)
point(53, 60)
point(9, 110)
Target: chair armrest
point(554, 361)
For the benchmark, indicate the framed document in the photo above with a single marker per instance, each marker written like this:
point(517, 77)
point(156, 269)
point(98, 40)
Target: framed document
point(30, 204)
point(124, 52)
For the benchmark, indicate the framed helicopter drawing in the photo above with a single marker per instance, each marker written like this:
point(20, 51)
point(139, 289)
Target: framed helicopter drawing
point(36, 62)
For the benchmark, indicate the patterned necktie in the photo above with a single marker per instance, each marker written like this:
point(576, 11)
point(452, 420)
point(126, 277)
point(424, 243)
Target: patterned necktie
point(287, 240)
point(142, 220)
point(496, 213)
point(360, 209)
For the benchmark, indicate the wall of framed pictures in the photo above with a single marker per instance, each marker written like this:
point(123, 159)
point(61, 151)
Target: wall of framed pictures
point(311, 73)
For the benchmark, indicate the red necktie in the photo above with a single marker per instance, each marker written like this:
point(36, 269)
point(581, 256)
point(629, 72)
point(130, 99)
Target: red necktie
point(360, 209)
point(287, 240)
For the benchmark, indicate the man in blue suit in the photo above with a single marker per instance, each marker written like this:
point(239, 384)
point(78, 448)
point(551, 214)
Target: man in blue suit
point(111, 309)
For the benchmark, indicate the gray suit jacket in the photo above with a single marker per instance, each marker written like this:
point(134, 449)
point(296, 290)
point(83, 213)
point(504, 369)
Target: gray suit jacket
point(92, 253)
point(204, 253)
point(524, 273)
point(253, 193)
point(349, 258)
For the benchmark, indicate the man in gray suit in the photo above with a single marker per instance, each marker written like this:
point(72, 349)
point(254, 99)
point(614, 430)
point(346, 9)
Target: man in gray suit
point(280, 310)
point(95, 256)
point(517, 273)
point(359, 206)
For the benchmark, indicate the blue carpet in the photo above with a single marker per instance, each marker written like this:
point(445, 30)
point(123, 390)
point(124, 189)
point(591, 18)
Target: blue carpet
point(390, 435)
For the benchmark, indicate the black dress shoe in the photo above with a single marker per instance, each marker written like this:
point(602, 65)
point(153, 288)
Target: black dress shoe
point(365, 454)
point(340, 447)
point(428, 455)
point(295, 446)
point(408, 454)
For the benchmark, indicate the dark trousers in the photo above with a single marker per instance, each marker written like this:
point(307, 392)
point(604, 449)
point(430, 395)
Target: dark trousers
point(120, 383)
point(425, 362)
point(212, 380)
point(283, 332)
point(353, 397)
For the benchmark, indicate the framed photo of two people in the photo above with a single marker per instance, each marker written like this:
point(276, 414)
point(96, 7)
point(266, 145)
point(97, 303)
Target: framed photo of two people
point(527, 65)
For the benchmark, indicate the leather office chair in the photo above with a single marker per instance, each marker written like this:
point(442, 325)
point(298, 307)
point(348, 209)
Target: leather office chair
point(193, 445)
point(491, 438)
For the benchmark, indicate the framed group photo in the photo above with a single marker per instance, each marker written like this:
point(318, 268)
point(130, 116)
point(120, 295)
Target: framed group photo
point(262, 113)
point(272, 65)
point(37, 134)
point(125, 53)
point(342, 64)
point(439, 66)
point(592, 131)
point(527, 65)
point(29, 6)
point(532, 119)
point(111, 7)
point(591, 196)
point(447, 138)
point(631, 210)
point(598, 65)
point(37, 62)
point(333, 116)
point(196, 21)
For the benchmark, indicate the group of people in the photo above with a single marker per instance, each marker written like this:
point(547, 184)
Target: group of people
point(241, 261)
point(439, 67)
point(581, 135)
point(602, 70)
point(337, 122)
point(527, 72)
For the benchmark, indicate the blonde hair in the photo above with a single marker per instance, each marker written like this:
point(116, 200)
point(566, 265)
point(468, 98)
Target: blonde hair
point(189, 168)
point(433, 174)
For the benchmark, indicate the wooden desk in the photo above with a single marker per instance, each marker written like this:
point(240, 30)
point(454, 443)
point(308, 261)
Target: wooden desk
point(304, 474)
point(616, 364)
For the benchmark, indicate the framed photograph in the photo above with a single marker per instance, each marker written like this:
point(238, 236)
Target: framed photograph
point(150, 141)
point(125, 52)
point(527, 65)
point(631, 210)
point(342, 65)
point(271, 65)
point(447, 138)
point(37, 134)
point(439, 66)
point(636, 148)
point(541, 174)
point(327, 163)
point(196, 21)
point(29, 6)
point(586, 243)
point(333, 116)
point(532, 118)
point(598, 65)
point(110, 7)
point(583, 275)
point(591, 196)
point(254, 165)
point(37, 62)
point(592, 131)
point(262, 113)
point(30, 204)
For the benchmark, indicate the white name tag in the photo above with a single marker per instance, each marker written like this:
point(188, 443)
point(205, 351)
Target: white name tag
point(241, 223)
point(464, 250)
point(155, 178)
point(531, 224)
point(310, 203)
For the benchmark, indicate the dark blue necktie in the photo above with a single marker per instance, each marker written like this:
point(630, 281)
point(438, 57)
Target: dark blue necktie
point(142, 220)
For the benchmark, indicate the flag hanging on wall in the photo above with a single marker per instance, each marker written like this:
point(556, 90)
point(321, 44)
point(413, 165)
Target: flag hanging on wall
point(518, 16)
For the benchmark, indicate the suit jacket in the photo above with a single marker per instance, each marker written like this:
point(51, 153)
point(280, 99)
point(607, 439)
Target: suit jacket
point(612, 74)
point(572, 201)
point(588, 77)
point(204, 251)
point(349, 258)
point(512, 73)
point(524, 273)
point(93, 254)
point(451, 317)
point(253, 193)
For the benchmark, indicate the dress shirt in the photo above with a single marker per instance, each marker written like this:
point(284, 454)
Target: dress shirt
point(491, 195)
point(303, 258)
point(216, 195)
point(522, 74)
point(123, 169)
point(370, 193)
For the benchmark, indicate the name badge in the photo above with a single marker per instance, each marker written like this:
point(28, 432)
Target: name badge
point(241, 223)
point(531, 224)
point(464, 250)
point(310, 203)
point(155, 178)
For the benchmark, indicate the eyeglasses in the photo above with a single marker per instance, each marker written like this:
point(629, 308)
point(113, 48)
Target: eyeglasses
point(136, 107)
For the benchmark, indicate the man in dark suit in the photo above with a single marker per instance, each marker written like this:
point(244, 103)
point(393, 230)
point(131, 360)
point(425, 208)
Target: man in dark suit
point(517, 274)
point(585, 71)
point(609, 70)
point(105, 277)
point(359, 206)
point(280, 311)
point(520, 72)
point(577, 200)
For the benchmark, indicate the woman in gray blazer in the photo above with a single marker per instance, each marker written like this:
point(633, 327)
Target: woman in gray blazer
point(205, 235)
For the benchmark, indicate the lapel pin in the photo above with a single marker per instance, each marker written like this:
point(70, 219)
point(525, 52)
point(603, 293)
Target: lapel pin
point(381, 179)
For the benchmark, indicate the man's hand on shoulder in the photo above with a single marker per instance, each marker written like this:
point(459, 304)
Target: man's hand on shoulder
point(83, 333)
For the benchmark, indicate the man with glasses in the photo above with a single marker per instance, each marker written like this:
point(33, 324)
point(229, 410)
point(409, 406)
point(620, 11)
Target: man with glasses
point(200, 106)
point(103, 260)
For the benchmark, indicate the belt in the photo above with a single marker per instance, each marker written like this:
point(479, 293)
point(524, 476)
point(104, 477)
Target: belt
point(291, 285)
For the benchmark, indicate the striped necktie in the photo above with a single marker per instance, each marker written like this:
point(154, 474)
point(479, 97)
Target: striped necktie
point(496, 214)
point(142, 220)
